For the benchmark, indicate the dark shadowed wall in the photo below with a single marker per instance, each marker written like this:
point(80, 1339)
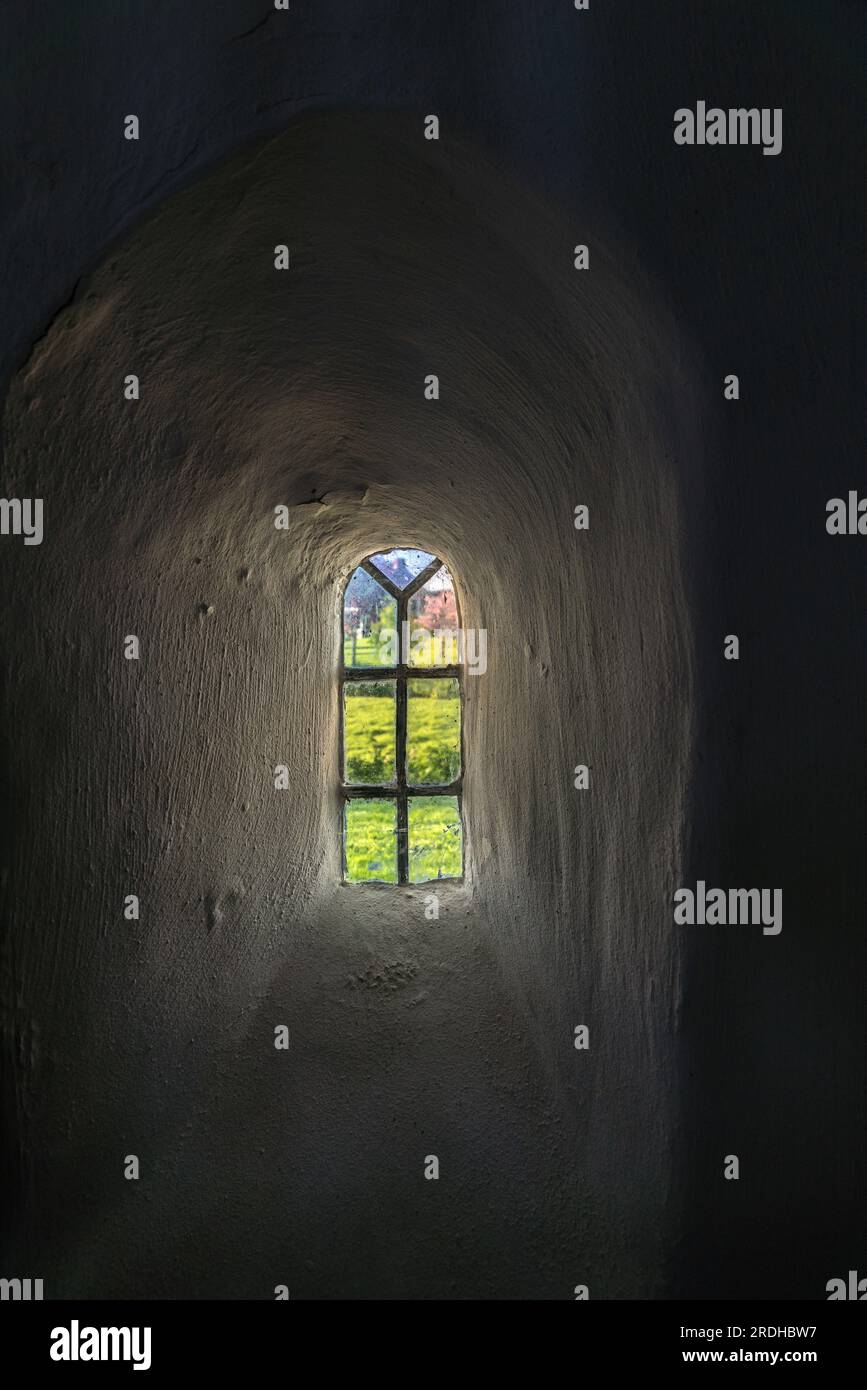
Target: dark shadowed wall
point(410, 1037)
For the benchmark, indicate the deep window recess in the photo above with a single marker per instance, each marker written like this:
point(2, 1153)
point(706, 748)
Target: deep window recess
point(401, 741)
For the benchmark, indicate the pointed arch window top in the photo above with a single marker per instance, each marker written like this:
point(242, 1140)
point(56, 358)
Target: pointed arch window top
point(401, 567)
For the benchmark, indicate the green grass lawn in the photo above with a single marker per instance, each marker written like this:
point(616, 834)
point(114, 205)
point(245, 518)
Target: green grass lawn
point(371, 841)
point(433, 758)
point(433, 732)
point(435, 838)
point(435, 841)
point(369, 651)
point(369, 732)
point(362, 651)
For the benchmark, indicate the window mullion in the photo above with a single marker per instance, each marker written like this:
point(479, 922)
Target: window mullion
point(402, 807)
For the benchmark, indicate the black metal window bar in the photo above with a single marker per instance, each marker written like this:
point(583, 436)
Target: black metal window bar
point(400, 790)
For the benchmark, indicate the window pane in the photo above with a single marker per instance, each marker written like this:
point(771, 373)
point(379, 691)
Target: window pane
point(433, 623)
point(370, 838)
point(433, 731)
point(435, 838)
point(369, 732)
point(402, 566)
point(369, 623)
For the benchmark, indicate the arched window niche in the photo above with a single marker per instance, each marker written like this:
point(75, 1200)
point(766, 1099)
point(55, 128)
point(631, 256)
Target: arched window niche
point(401, 725)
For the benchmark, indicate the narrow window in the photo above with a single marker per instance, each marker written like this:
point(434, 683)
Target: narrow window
point(401, 741)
